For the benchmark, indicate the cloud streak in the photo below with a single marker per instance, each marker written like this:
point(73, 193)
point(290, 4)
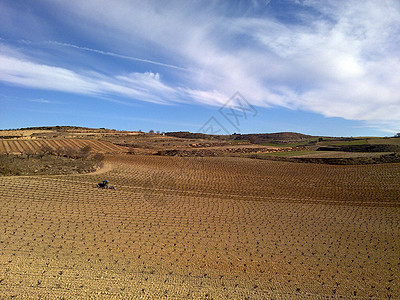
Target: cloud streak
point(119, 56)
point(45, 101)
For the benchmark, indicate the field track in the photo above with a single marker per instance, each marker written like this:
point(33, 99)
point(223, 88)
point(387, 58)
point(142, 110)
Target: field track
point(202, 228)
point(34, 146)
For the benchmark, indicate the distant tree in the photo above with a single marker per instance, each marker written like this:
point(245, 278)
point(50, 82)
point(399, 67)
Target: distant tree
point(397, 134)
point(151, 131)
point(46, 150)
point(158, 132)
point(252, 139)
point(320, 139)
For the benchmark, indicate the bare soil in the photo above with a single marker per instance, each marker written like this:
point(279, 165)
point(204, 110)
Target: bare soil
point(203, 228)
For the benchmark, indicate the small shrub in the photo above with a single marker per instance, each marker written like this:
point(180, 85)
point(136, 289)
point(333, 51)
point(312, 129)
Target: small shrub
point(98, 157)
point(70, 152)
point(85, 151)
point(29, 153)
point(45, 150)
point(59, 152)
point(253, 139)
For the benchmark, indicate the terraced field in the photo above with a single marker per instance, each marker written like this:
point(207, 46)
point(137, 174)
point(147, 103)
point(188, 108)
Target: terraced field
point(203, 228)
point(35, 146)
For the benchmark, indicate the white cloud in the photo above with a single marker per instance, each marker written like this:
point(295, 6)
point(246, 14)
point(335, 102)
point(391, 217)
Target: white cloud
point(140, 86)
point(26, 73)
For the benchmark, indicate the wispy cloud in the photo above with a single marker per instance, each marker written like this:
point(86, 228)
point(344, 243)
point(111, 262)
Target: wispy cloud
point(390, 127)
point(45, 101)
point(141, 86)
point(119, 56)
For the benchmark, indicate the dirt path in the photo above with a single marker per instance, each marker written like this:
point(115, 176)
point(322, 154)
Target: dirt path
point(107, 167)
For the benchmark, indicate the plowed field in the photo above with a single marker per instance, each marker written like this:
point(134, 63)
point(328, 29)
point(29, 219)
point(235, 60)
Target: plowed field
point(35, 146)
point(203, 228)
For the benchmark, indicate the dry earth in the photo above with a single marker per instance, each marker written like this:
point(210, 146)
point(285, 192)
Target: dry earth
point(203, 227)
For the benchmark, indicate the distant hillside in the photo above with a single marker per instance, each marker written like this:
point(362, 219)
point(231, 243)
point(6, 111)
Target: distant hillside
point(57, 128)
point(66, 128)
point(256, 138)
point(190, 135)
point(279, 135)
point(274, 138)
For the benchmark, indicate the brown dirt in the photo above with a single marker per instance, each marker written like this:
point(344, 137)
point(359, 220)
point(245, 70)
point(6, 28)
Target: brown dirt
point(205, 228)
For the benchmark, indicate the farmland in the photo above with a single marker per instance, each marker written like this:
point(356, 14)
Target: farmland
point(35, 146)
point(201, 228)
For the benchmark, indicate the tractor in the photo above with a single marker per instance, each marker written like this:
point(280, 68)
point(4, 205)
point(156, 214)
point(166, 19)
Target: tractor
point(104, 185)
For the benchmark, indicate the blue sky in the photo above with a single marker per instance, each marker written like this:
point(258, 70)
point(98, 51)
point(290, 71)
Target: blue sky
point(316, 67)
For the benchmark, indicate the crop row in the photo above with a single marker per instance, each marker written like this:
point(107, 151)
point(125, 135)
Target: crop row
point(35, 146)
point(370, 185)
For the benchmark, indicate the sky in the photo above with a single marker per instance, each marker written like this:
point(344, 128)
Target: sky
point(328, 67)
